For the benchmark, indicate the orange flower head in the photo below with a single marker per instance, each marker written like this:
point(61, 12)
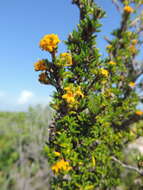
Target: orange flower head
point(104, 72)
point(72, 93)
point(61, 165)
point(128, 9)
point(40, 65)
point(139, 112)
point(132, 84)
point(49, 42)
point(69, 97)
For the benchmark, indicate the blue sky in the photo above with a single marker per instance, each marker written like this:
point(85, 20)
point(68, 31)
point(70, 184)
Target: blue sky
point(23, 23)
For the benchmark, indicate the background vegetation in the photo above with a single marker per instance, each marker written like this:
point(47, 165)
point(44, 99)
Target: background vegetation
point(22, 138)
point(23, 164)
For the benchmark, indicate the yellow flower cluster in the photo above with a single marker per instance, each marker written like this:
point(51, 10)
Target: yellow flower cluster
point(71, 94)
point(49, 42)
point(61, 165)
point(132, 84)
point(67, 58)
point(104, 72)
point(43, 78)
point(139, 112)
point(111, 63)
point(69, 97)
point(40, 65)
point(128, 9)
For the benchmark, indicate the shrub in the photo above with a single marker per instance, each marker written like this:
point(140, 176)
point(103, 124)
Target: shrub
point(95, 99)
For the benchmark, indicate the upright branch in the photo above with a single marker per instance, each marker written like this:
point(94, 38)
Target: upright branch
point(95, 100)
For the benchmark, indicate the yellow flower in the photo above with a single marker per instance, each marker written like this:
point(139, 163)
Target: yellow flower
point(67, 58)
point(111, 63)
point(132, 84)
point(55, 168)
point(72, 93)
point(49, 42)
point(104, 72)
point(128, 9)
point(40, 65)
point(69, 97)
point(57, 153)
point(43, 78)
point(139, 112)
point(61, 165)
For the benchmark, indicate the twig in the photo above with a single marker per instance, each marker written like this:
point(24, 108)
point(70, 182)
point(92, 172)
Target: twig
point(107, 39)
point(115, 2)
point(140, 171)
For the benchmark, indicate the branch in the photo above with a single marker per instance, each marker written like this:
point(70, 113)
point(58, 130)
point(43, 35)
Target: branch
point(138, 69)
point(130, 120)
point(91, 85)
point(140, 171)
point(116, 3)
point(107, 39)
point(81, 8)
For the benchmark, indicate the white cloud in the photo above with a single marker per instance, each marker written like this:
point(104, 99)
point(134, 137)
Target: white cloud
point(25, 97)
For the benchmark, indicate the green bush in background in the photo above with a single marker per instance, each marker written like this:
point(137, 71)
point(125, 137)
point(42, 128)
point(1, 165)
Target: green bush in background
point(22, 137)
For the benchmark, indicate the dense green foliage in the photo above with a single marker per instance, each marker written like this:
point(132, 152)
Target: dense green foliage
point(95, 99)
point(22, 137)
